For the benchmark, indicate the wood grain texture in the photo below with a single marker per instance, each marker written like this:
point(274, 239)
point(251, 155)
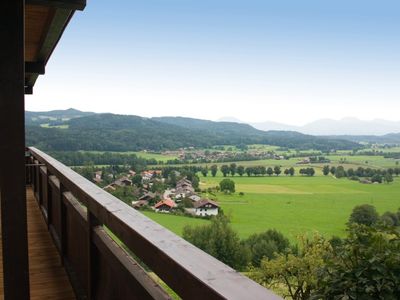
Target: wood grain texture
point(48, 279)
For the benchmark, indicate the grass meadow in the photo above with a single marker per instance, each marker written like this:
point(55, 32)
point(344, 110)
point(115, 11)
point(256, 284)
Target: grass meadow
point(292, 205)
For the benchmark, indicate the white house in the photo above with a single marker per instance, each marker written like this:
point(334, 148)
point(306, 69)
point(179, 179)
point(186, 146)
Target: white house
point(204, 208)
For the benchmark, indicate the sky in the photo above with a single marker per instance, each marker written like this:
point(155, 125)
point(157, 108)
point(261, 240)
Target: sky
point(287, 61)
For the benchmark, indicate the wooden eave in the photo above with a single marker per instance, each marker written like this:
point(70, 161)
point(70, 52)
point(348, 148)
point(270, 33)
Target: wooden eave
point(45, 22)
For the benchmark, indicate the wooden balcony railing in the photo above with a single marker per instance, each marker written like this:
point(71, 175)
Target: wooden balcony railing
point(80, 216)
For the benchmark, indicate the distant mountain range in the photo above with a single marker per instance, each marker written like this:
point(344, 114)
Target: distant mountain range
point(75, 130)
point(345, 126)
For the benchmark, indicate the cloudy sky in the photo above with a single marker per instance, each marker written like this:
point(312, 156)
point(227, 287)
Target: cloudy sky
point(288, 61)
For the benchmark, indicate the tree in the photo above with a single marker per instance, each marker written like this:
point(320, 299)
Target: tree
point(365, 214)
point(291, 171)
point(219, 240)
point(333, 170)
point(376, 178)
point(225, 170)
point(227, 185)
point(137, 180)
point(388, 178)
point(232, 169)
point(204, 171)
point(267, 244)
point(214, 170)
point(277, 170)
point(340, 172)
point(270, 171)
point(296, 274)
point(366, 265)
point(326, 170)
point(249, 171)
point(240, 170)
point(286, 172)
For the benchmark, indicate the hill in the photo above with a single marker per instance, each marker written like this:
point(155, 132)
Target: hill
point(391, 138)
point(41, 117)
point(110, 132)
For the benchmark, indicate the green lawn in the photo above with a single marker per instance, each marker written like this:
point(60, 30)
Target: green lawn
point(292, 205)
point(172, 222)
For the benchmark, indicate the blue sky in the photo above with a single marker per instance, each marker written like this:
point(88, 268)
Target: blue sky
point(286, 61)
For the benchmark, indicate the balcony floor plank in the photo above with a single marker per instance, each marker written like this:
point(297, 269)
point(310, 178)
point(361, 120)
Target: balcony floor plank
point(48, 279)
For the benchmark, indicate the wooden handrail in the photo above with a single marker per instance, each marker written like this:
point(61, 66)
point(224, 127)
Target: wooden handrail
point(190, 272)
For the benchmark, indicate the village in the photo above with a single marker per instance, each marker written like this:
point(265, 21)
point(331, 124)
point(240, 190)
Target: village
point(149, 190)
point(193, 155)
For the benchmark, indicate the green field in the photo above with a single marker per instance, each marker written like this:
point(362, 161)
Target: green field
point(172, 222)
point(293, 205)
point(47, 125)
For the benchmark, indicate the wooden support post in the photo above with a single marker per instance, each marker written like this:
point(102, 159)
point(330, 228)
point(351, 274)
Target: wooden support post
point(12, 151)
point(92, 255)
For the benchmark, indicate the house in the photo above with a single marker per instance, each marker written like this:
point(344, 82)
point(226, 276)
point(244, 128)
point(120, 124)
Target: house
point(195, 198)
point(184, 183)
point(97, 176)
point(148, 196)
point(204, 207)
point(146, 176)
point(132, 173)
point(168, 194)
point(165, 205)
point(139, 204)
point(184, 189)
point(124, 181)
point(109, 188)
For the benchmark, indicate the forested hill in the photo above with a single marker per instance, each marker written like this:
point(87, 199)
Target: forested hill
point(54, 116)
point(110, 132)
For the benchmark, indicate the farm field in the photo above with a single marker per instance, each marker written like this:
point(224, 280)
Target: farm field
point(292, 205)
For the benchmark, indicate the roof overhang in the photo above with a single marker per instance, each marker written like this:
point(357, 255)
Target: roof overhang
point(45, 22)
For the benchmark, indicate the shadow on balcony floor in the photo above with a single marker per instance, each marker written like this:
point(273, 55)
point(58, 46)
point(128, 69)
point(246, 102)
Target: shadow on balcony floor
point(48, 279)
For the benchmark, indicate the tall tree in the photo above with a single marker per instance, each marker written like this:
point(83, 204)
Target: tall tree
point(214, 170)
point(270, 171)
point(277, 170)
point(225, 170)
point(232, 169)
point(325, 170)
point(240, 170)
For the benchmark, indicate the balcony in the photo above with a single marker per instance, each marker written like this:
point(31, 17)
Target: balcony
point(85, 243)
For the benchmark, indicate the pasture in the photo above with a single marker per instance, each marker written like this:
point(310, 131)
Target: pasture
point(292, 205)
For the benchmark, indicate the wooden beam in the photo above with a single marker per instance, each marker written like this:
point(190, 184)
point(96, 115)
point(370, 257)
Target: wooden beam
point(34, 67)
point(28, 90)
point(65, 4)
point(56, 28)
point(12, 151)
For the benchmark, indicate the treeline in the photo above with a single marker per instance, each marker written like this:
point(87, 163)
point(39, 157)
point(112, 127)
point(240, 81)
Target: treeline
point(363, 265)
point(79, 158)
point(240, 170)
point(375, 175)
point(394, 155)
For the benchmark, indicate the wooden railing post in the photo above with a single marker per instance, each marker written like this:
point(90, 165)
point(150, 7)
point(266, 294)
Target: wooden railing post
point(93, 222)
point(63, 221)
point(49, 200)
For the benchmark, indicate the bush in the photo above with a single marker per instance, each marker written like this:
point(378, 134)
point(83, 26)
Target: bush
point(364, 214)
point(227, 186)
point(219, 240)
point(266, 245)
